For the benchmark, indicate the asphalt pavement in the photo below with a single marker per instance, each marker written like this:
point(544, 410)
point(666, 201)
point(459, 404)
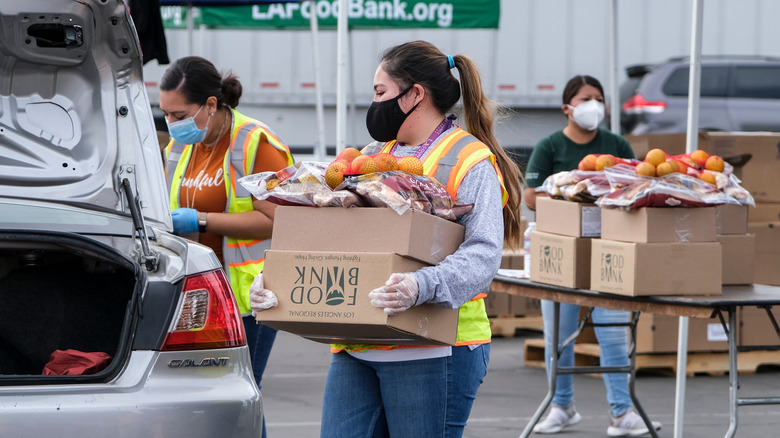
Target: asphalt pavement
point(295, 378)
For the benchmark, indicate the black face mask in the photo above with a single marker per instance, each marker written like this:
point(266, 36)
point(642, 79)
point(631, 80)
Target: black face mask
point(385, 118)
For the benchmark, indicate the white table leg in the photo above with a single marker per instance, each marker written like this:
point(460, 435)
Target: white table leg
point(682, 369)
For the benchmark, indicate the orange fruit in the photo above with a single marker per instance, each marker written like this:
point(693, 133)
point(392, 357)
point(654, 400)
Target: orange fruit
point(708, 177)
point(334, 173)
point(362, 165)
point(699, 156)
point(604, 161)
point(645, 169)
point(676, 167)
point(715, 163)
point(348, 154)
point(664, 168)
point(690, 162)
point(411, 165)
point(271, 184)
point(385, 162)
point(588, 162)
point(655, 156)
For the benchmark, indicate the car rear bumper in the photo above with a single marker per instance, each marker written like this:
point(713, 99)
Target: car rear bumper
point(204, 393)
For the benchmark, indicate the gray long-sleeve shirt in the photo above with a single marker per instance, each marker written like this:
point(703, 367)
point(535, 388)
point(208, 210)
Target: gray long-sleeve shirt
point(468, 272)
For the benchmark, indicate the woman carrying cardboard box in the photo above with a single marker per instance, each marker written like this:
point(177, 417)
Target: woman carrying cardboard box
point(583, 105)
point(385, 391)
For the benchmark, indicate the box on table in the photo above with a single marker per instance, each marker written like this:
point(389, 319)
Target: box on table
point(767, 256)
point(731, 219)
point(323, 296)
point(658, 334)
point(512, 259)
point(738, 254)
point(560, 260)
point(759, 174)
point(672, 144)
point(764, 212)
point(636, 269)
point(414, 234)
point(505, 304)
point(755, 328)
point(659, 224)
point(568, 218)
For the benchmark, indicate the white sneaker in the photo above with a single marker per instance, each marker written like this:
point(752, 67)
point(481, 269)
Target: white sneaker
point(629, 424)
point(557, 419)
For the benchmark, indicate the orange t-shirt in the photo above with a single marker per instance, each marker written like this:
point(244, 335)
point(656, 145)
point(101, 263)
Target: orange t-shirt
point(203, 185)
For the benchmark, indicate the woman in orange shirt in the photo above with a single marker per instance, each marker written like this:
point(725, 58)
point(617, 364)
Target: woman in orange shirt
point(212, 146)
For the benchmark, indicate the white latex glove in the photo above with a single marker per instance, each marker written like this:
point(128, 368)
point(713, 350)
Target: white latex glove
point(397, 295)
point(260, 298)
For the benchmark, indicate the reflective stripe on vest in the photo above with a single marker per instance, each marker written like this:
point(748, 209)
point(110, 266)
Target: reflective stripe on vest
point(244, 258)
point(460, 151)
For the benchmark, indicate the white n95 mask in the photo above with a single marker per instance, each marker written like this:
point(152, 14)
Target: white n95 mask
point(588, 114)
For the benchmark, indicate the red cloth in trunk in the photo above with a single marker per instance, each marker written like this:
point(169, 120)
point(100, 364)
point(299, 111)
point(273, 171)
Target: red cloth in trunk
point(74, 362)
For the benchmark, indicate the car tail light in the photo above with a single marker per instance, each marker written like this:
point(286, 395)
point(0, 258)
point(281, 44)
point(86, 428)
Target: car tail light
point(208, 317)
point(638, 104)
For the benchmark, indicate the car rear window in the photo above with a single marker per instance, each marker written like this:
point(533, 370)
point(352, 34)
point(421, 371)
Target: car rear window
point(757, 82)
point(714, 82)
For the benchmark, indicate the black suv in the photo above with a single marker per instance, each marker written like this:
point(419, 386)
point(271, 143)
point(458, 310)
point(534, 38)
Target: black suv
point(738, 93)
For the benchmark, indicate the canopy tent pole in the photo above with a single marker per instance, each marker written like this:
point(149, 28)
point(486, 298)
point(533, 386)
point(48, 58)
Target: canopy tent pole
point(694, 78)
point(691, 144)
point(341, 89)
point(614, 98)
point(320, 150)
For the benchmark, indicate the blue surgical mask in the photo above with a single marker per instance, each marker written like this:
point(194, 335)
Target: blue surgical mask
point(186, 131)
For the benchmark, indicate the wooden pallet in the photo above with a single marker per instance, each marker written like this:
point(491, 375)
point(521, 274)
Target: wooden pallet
point(587, 354)
point(507, 326)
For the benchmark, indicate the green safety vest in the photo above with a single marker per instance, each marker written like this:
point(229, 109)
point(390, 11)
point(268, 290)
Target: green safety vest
point(244, 258)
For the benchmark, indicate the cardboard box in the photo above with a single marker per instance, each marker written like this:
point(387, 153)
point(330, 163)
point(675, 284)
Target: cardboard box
point(560, 260)
point(767, 256)
point(576, 219)
point(738, 253)
point(497, 304)
point(636, 269)
point(512, 259)
point(755, 327)
point(414, 234)
point(656, 225)
point(658, 334)
point(731, 219)
point(323, 296)
point(759, 174)
point(672, 144)
point(764, 212)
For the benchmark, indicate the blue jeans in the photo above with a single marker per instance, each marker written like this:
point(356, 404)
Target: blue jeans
point(613, 347)
point(259, 338)
point(426, 398)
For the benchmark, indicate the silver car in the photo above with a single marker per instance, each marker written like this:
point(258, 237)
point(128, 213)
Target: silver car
point(738, 93)
point(89, 271)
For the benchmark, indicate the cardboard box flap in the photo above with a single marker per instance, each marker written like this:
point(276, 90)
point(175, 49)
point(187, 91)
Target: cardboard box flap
point(414, 234)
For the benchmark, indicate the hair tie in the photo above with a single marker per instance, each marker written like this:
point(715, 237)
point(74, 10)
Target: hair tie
point(451, 61)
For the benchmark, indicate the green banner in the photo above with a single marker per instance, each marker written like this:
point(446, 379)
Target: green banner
point(363, 14)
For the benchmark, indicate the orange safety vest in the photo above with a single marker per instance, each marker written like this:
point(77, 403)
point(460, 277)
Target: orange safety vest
point(448, 162)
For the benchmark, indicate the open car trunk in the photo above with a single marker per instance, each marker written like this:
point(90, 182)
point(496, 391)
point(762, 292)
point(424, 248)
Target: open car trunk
point(61, 291)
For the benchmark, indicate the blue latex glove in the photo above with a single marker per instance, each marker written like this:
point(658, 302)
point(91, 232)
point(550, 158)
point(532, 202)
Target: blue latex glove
point(185, 221)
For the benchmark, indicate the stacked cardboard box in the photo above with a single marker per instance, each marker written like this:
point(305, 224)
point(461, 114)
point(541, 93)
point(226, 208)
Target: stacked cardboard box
point(560, 246)
point(323, 263)
point(767, 252)
point(737, 246)
point(657, 251)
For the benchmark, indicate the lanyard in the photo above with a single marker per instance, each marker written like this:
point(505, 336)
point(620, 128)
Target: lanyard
point(443, 126)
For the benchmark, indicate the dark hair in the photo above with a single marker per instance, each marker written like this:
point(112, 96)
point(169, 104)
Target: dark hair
point(197, 79)
point(577, 82)
point(420, 62)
